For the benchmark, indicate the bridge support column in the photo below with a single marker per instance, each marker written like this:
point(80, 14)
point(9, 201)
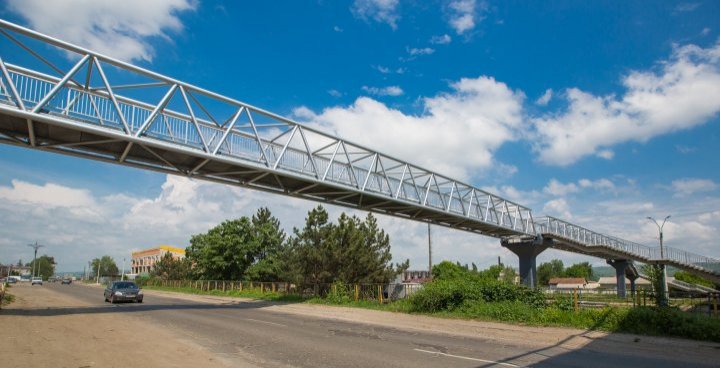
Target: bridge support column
point(633, 291)
point(527, 251)
point(620, 265)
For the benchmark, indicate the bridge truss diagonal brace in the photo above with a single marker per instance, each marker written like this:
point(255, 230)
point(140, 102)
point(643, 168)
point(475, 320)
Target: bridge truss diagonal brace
point(527, 250)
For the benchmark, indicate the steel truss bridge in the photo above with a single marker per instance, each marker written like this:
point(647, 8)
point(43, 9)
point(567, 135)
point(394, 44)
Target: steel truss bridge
point(81, 103)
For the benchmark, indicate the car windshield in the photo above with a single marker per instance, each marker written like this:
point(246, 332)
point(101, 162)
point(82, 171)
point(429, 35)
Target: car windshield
point(125, 285)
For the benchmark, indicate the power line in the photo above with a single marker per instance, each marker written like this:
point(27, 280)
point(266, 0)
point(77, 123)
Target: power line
point(35, 246)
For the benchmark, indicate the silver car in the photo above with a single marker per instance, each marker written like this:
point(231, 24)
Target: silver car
point(123, 291)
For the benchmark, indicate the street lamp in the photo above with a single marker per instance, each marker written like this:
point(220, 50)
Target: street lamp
point(663, 286)
point(35, 246)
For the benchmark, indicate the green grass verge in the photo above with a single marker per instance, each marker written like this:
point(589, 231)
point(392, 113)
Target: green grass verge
point(253, 293)
point(7, 299)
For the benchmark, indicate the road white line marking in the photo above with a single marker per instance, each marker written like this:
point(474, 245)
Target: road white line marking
point(466, 358)
point(270, 323)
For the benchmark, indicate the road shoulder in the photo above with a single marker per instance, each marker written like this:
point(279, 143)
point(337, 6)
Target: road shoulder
point(76, 334)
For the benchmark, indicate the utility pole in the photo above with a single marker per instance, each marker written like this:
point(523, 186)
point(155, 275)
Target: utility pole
point(663, 286)
point(35, 246)
point(122, 277)
point(429, 251)
point(97, 281)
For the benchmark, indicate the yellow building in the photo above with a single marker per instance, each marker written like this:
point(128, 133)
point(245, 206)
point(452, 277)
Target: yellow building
point(143, 261)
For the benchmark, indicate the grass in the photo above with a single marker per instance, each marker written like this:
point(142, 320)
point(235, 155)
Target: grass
point(253, 293)
point(7, 298)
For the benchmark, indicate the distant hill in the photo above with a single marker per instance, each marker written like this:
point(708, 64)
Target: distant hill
point(607, 271)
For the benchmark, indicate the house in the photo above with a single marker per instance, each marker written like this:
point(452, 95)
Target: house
point(610, 282)
point(567, 283)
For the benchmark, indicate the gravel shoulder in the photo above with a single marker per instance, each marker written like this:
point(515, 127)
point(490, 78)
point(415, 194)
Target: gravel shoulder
point(86, 340)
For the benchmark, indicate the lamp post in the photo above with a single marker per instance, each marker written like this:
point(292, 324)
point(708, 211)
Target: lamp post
point(663, 286)
point(35, 246)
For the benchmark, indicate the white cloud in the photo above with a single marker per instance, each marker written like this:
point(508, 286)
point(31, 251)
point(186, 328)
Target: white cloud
point(600, 184)
point(335, 93)
point(558, 208)
point(559, 189)
point(685, 149)
point(545, 98)
point(441, 40)
point(471, 122)
point(184, 207)
point(382, 69)
point(685, 187)
point(48, 195)
point(705, 31)
point(122, 29)
point(686, 7)
point(384, 91)
point(420, 51)
point(464, 14)
point(382, 11)
point(683, 94)
point(606, 154)
point(337, 29)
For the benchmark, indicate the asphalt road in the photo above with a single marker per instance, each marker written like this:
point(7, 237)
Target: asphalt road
point(242, 332)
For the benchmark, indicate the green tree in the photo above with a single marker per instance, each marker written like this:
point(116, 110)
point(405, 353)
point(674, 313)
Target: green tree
point(548, 270)
point(583, 270)
point(306, 254)
point(447, 270)
point(693, 279)
point(224, 252)
point(106, 264)
point(654, 275)
point(45, 266)
point(169, 268)
point(353, 251)
point(267, 240)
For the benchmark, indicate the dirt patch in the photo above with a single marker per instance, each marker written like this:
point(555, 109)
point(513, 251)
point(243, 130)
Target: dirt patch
point(36, 333)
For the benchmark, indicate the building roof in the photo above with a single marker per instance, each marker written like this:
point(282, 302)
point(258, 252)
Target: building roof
point(168, 248)
point(567, 280)
point(610, 280)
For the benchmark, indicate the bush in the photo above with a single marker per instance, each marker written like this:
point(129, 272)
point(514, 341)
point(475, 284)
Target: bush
point(446, 295)
point(670, 322)
point(338, 294)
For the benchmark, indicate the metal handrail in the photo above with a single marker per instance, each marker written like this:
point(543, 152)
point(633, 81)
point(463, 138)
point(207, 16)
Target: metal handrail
point(554, 227)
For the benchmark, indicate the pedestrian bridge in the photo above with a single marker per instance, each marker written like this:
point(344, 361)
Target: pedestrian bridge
point(58, 97)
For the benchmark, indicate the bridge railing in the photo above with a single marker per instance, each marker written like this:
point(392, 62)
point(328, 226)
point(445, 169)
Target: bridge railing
point(588, 238)
point(260, 140)
point(687, 258)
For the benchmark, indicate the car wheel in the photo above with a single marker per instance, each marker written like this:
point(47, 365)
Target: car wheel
point(112, 300)
point(139, 301)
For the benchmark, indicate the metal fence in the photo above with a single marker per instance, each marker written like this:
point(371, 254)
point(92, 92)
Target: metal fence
point(380, 293)
point(701, 303)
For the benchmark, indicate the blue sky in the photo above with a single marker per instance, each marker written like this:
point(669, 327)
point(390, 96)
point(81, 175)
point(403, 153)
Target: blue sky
point(601, 113)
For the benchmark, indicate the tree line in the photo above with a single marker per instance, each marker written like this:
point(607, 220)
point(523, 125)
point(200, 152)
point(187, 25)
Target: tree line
point(351, 250)
point(555, 268)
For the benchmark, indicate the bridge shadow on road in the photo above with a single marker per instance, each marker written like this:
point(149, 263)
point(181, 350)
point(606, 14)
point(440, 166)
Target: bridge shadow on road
point(136, 308)
point(592, 348)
